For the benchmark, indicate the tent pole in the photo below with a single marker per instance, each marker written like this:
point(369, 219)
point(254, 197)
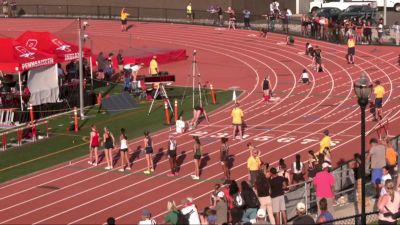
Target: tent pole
point(20, 90)
point(81, 103)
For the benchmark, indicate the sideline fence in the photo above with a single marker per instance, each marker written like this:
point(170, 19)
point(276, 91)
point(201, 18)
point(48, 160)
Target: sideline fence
point(24, 134)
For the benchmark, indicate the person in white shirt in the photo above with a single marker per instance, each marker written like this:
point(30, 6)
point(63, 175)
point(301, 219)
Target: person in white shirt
point(190, 208)
point(274, 7)
point(147, 220)
point(305, 78)
point(180, 126)
point(386, 176)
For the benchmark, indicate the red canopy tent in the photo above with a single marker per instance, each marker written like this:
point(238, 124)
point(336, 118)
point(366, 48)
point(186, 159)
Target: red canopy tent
point(16, 57)
point(49, 43)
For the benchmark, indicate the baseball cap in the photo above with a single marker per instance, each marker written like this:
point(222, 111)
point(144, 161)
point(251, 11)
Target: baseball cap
point(146, 213)
point(220, 194)
point(261, 213)
point(301, 206)
point(326, 165)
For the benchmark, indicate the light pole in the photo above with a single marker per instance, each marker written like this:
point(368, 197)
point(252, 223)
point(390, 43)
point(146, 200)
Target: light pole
point(363, 89)
point(81, 29)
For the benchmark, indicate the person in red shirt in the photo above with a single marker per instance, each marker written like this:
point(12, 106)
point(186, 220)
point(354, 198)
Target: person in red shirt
point(93, 146)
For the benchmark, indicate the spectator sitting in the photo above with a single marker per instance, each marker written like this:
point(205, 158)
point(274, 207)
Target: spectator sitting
point(386, 176)
point(302, 218)
point(221, 207)
point(172, 216)
point(147, 220)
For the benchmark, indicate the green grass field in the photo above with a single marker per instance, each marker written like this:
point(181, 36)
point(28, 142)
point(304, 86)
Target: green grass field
point(64, 146)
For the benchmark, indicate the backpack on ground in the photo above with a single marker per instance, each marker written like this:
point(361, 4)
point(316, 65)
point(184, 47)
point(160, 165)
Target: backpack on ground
point(183, 219)
point(238, 201)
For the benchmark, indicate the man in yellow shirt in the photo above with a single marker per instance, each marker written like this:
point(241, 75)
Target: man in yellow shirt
point(325, 142)
point(254, 164)
point(379, 91)
point(351, 49)
point(237, 120)
point(124, 19)
point(153, 68)
point(189, 12)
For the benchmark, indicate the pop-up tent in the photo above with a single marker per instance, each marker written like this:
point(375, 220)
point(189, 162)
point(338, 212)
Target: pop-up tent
point(16, 58)
point(49, 43)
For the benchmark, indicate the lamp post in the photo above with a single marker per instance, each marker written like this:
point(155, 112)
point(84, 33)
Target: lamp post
point(363, 89)
point(81, 30)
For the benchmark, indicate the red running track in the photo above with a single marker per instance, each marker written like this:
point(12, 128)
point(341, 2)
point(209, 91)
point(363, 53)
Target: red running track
point(79, 194)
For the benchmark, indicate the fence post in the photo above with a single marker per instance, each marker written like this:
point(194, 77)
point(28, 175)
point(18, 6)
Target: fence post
point(138, 13)
point(109, 12)
point(67, 10)
point(47, 128)
point(4, 141)
point(98, 11)
point(305, 195)
point(166, 15)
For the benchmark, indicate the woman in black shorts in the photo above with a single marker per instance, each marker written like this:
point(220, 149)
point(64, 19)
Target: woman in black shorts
point(224, 155)
point(172, 155)
point(148, 147)
point(197, 156)
point(108, 142)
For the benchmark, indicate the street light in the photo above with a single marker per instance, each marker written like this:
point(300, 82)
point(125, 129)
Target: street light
point(81, 29)
point(363, 89)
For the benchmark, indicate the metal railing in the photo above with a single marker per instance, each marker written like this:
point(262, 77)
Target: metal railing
point(292, 26)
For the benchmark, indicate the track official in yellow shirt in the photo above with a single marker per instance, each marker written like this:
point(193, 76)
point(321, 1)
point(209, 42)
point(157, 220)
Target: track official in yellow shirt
point(379, 92)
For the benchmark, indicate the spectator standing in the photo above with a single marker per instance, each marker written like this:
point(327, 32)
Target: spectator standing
point(396, 30)
point(153, 68)
point(124, 19)
point(5, 8)
point(101, 63)
point(237, 121)
point(246, 18)
point(146, 218)
point(189, 209)
point(282, 171)
point(237, 209)
point(251, 203)
point(253, 165)
point(388, 204)
point(232, 18)
point(312, 164)
point(325, 142)
point(120, 61)
point(278, 185)
point(13, 7)
point(380, 31)
point(324, 183)
point(391, 157)
point(172, 147)
point(172, 215)
point(379, 92)
point(220, 14)
point(302, 217)
point(221, 207)
point(262, 187)
point(298, 170)
point(386, 176)
point(367, 30)
point(355, 165)
point(189, 12)
point(324, 216)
